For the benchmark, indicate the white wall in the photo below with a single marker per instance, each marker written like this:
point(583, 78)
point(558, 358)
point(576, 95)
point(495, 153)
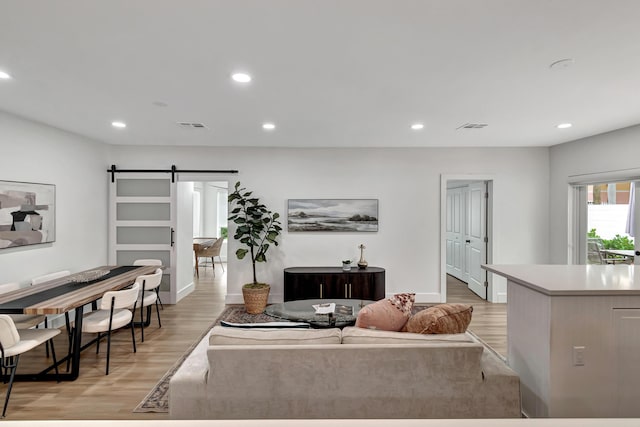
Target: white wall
point(407, 184)
point(77, 166)
point(613, 154)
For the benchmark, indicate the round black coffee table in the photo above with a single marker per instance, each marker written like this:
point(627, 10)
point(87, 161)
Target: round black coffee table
point(345, 313)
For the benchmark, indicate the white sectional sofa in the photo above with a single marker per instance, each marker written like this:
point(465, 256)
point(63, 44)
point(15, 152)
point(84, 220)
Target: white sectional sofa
point(351, 373)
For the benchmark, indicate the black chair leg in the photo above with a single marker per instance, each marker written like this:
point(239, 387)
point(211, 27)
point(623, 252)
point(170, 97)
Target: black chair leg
point(108, 350)
point(46, 346)
point(142, 322)
point(133, 336)
point(158, 293)
point(158, 313)
point(13, 368)
point(98, 344)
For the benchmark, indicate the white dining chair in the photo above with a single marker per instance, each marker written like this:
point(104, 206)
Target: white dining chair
point(149, 284)
point(150, 261)
point(45, 278)
point(22, 321)
point(14, 342)
point(114, 313)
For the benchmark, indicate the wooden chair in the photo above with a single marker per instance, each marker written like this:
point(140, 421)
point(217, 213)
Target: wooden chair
point(211, 252)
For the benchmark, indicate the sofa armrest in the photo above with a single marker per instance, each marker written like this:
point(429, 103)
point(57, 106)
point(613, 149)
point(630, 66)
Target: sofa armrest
point(501, 385)
point(188, 385)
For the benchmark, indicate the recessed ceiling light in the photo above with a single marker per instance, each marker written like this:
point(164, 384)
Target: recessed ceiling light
point(564, 125)
point(417, 126)
point(241, 77)
point(119, 124)
point(268, 126)
point(4, 75)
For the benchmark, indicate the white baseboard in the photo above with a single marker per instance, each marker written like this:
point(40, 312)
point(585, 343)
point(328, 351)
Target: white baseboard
point(501, 298)
point(182, 292)
point(423, 298)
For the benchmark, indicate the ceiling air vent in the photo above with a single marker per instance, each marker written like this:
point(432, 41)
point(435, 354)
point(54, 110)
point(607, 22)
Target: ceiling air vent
point(191, 125)
point(473, 126)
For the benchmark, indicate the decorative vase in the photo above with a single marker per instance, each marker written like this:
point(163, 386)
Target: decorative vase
point(346, 266)
point(255, 297)
point(362, 263)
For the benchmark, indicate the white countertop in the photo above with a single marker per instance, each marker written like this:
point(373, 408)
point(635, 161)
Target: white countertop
point(573, 279)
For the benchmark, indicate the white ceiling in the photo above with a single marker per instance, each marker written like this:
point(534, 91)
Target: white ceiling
point(329, 73)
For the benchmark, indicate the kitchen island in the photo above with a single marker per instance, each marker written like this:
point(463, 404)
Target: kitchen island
point(573, 336)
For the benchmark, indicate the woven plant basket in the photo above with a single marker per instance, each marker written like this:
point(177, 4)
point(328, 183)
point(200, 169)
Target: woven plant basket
point(255, 299)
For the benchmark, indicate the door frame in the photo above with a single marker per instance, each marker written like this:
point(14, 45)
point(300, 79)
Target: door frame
point(444, 180)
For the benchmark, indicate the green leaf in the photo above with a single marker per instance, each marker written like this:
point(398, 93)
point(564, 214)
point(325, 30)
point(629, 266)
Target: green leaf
point(240, 253)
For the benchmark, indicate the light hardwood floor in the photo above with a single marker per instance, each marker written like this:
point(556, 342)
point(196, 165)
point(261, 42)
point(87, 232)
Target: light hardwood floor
point(489, 321)
point(131, 376)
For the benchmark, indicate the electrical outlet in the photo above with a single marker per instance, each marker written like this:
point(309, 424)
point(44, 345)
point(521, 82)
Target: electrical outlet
point(578, 355)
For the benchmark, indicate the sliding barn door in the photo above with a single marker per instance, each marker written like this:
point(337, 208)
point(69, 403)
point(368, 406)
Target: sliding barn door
point(142, 223)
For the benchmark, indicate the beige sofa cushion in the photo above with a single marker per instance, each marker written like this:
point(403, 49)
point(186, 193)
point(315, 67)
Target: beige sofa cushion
point(269, 336)
point(354, 335)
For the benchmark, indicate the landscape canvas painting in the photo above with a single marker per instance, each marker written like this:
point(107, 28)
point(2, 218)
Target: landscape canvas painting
point(27, 214)
point(332, 215)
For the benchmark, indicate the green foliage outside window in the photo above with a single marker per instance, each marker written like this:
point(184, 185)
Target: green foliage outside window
point(618, 242)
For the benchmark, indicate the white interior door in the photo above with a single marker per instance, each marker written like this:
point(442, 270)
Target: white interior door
point(476, 239)
point(142, 224)
point(454, 233)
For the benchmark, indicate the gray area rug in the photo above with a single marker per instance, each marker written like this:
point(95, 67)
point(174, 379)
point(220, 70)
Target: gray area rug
point(158, 398)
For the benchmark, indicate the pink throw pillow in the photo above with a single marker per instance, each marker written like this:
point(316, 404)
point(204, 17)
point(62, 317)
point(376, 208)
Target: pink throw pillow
point(389, 314)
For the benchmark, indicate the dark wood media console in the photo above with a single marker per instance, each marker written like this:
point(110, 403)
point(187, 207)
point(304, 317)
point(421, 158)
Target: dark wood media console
point(333, 282)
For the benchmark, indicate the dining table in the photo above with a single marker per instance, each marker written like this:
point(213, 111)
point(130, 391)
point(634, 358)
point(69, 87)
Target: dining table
point(60, 296)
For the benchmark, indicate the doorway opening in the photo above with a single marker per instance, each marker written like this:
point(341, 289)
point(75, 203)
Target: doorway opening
point(466, 234)
point(202, 217)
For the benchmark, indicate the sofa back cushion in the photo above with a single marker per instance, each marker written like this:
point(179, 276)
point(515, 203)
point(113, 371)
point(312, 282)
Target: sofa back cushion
point(269, 336)
point(354, 335)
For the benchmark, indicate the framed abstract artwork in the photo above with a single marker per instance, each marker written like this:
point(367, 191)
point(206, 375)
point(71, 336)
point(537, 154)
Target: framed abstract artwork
point(27, 214)
point(347, 215)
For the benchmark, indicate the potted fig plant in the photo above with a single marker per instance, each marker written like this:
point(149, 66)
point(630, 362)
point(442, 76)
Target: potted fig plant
point(257, 229)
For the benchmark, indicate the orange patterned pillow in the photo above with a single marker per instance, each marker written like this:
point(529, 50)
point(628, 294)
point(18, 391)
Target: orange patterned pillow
point(440, 319)
point(388, 314)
